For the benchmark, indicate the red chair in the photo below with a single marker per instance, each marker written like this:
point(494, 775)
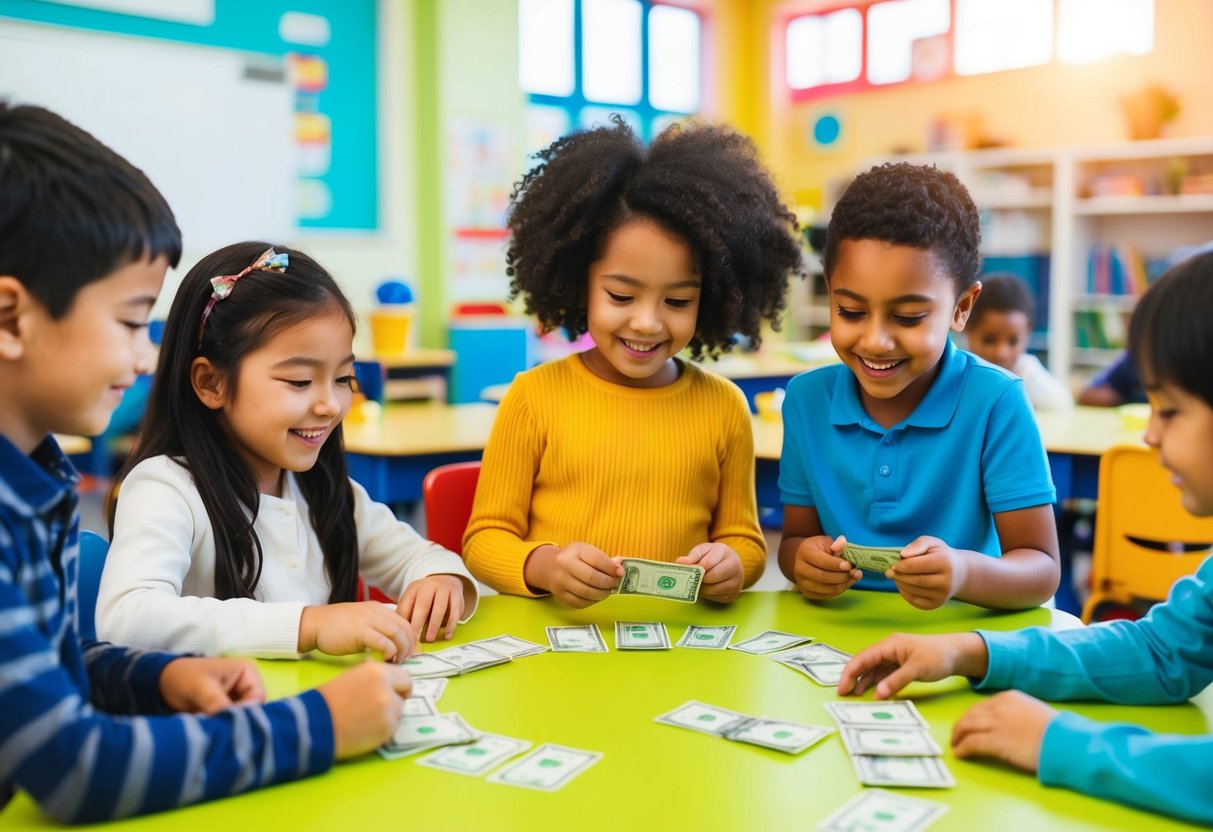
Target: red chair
point(448, 491)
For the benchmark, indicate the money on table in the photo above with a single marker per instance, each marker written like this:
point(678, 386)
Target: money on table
point(641, 635)
point(430, 665)
point(873, 558)
point(709, 719)
point(431, 689)
point(469, 657)
point(789, 737)
point(890, 742)
point(419, 706)
point(912, 772)
point(510, 647)
point(547, 768)
point(585, 638)
point(889, 812)
point(707, 638)
point(820, 662)
point(901, 713)
point(770, 641)
point(475, 758)
point(421, 733)
point(671, 581)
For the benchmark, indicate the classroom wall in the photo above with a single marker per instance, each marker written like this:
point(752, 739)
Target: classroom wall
point(1053, 105)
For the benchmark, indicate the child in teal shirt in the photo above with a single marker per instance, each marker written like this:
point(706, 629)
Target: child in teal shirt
point(1164, 658)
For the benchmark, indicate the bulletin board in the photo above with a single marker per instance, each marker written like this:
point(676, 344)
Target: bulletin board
point(323, 54)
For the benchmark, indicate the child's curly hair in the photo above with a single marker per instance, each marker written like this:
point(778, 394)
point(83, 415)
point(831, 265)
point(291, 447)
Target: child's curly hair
point(702, 182)
point(910, 205)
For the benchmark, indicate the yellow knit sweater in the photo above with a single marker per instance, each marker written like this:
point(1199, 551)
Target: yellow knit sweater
point(646, 473)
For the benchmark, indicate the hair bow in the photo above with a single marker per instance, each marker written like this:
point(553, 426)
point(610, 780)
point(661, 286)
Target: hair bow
point(221, 286)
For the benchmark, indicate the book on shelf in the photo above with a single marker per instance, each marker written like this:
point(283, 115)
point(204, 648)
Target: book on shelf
point(1120, 269)
point(1101, 328)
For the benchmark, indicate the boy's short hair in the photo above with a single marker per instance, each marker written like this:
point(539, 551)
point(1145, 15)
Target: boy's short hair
point(72, 211)
point(1003, 293)
point(910, 205)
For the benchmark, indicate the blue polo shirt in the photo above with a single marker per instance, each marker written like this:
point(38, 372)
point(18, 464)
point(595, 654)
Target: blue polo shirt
point(969, 450)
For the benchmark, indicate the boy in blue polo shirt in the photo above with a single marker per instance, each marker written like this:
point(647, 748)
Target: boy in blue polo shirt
point(89, 730)
point(910, 442)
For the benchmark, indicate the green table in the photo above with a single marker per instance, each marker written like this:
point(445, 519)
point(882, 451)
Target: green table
point(655, 776)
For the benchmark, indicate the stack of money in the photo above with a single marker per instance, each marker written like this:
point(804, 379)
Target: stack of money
point(466, 658)
point(779, 734)
point(889, 744)
point(819, 661)
point(425, 731)
point(886, 811)
point(584, 638)
point(641, 635)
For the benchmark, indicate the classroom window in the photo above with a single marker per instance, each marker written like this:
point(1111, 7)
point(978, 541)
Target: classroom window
point(992, 36)
point(866, 44)
point(638, 58)
point(1088, 30)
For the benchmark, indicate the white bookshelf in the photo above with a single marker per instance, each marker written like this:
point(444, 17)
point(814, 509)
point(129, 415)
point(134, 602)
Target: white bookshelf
point(1049, 201)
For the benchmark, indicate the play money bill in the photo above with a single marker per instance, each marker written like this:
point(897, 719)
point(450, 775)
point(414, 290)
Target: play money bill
point(769, 641)
point(547, 768)
point(707, 638)
point(886, 811)
point(475, 758)
point(872, 558)
point(671, 581)
point(584, 638)
point(641, 635)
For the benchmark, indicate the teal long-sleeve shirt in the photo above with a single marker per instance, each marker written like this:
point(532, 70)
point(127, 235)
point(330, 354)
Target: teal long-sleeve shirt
point(1165, 658)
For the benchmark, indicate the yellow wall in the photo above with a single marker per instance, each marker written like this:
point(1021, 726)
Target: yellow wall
point(1048, 106)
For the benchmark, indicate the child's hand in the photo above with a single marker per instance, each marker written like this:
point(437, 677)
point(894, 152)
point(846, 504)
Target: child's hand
point(820, 571)
point(930, 572)
point(206, 686)
point(722, 576)
point(1009, 726)
point(365, 704)
point(431, 604)
point(893, 663)
point(577, 575)
point(339, 629)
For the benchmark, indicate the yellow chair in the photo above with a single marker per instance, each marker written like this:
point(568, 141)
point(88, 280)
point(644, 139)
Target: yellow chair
point(1144, 538)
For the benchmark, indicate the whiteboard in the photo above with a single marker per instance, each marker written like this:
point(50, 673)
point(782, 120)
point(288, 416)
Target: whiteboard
point(212, 128)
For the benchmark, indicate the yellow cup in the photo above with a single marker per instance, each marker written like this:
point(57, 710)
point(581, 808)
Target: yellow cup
point(390, 329)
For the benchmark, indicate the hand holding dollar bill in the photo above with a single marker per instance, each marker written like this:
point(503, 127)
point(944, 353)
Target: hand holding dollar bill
point(671, 581)
point(872, 558)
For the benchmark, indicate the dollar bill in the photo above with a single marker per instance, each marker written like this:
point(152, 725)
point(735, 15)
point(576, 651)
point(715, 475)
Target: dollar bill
point(789, 737)
point(873, 558)
point(475, 758)
point(874, 809)
point(916, 772)
point(708, 719)
point(510, 647)
point(585, 638)
point(890, 742)
point(770, 641)
point(641, 635)
point(431, 689)
point(707, 638)
point(429, 665)
point(470, 657)
point(900, 714)
point(671, 581)
point(421, 733)
point(419, 706)
point(820, 662)
point(547, 768)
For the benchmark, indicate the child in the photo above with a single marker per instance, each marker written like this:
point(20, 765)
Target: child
point(910, 442)
point(626, 449)
point(85, 240)
point(237, 528)
point(1164, 658)
point(998, 331)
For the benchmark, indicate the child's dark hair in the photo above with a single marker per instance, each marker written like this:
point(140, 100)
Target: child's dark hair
point(918, 206)
point(179, 425)
point(702, 182)
point(1171, 332)
point(72, 211)
point(1003, 293)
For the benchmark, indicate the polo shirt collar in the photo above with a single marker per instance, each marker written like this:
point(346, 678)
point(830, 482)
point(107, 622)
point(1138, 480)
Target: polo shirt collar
point(934, 411)
point(39, 481)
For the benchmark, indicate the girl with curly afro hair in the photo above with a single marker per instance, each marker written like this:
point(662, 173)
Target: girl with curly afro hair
point(626, 449)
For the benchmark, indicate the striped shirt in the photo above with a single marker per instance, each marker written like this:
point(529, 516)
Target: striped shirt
point(69, 731)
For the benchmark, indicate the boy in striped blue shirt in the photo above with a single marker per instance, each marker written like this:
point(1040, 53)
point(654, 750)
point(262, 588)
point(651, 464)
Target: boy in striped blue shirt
point(90, 731)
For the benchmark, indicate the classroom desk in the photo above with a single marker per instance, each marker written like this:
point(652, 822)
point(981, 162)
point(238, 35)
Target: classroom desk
point(391, 453)
point(773, 365)
point(654, 776)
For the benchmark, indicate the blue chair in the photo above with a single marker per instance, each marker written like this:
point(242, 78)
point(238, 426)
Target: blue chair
point(93, 549)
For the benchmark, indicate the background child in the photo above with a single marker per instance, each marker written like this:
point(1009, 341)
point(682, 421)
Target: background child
point(85, 240)
point(999, 330)
point(909, 435)
point(1164, 658)
point(625, 449)
point(237, 528)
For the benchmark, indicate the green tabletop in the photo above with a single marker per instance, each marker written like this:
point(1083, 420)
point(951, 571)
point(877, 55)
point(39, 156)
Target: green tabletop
point(655, 776)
